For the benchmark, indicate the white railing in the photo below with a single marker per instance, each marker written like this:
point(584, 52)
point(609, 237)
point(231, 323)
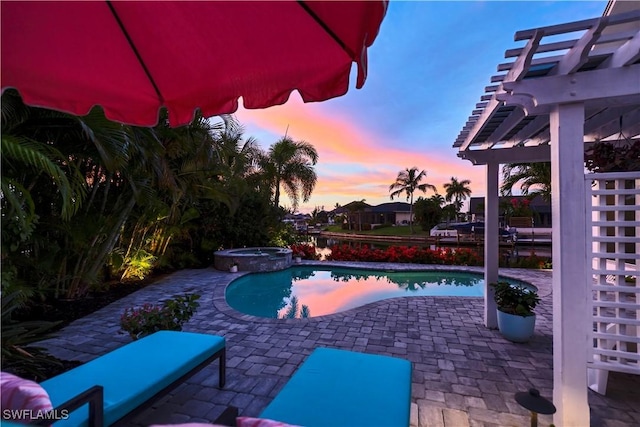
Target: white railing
point(613, 228)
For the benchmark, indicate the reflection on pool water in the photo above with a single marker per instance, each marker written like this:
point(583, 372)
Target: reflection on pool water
point(309, 291)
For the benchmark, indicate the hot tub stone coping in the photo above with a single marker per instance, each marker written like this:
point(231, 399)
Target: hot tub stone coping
point(273, 259)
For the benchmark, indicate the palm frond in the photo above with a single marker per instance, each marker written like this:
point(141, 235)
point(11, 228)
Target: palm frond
point(19, 205)
point(533, 178)
point(14, 111)
point(41, 158)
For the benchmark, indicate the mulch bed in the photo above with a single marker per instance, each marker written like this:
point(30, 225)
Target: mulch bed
point(65, 312)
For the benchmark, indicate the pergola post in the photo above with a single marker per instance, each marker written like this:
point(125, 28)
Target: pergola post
point(570, 290)
point(491, 244)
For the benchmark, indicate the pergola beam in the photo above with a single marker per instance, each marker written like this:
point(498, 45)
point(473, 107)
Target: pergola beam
point(505, 66)
point(614, 118)
point(568, 44)
point(553, 30)
point(522, 64)
point(543, 48)
point(571, 27)
point(578, 87)
point(505, 127)
point(489, 110)
point(533, 128)
point(626, 55)
point(533, 154)
point(606, 125)
point(579, 54)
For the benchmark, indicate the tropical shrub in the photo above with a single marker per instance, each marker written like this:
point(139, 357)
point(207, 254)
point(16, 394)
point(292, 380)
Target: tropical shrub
point(138, 266)
point(304, 251)
point(149, 318)
point(519, 208)
point(428, 212)
point(284, 235)
point(406, 254)
point(532, 261)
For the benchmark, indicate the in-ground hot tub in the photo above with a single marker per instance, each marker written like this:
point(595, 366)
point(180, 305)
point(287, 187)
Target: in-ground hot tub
point(253, 259)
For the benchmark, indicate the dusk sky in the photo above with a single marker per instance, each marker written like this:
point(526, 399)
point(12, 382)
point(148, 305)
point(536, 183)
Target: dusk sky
point(427, 70)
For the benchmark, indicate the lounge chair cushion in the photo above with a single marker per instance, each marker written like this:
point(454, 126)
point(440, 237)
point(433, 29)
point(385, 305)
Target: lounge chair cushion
point(134, 373)
point(345, 388)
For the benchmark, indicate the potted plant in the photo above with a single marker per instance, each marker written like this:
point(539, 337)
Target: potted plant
point(297, 257)
point(516, 319)
point(234, 267)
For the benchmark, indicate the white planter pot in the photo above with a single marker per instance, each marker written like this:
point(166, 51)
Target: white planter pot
point(298, 260)
point(233, 269)
point(516, 328)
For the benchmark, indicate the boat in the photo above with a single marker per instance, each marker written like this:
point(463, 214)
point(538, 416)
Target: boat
point(475, 229)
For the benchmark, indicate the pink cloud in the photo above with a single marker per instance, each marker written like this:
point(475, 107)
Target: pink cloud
point(367, 163)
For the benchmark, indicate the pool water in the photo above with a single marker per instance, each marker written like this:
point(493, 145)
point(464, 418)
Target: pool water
point(310, 291)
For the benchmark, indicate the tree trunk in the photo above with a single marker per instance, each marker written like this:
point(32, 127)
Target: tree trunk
point(112, 237)
point(411, 215)
point(276, 199)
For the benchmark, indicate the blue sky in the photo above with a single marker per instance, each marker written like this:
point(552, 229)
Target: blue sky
point(427, 70)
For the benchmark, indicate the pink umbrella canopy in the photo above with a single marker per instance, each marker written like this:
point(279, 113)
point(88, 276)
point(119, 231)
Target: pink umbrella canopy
point(134, 57)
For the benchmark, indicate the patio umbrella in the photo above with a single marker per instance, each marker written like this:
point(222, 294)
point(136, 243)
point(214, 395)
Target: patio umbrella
point(133, 57)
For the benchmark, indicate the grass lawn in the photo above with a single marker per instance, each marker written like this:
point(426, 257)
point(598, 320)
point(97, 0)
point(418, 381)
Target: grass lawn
point(401, 230)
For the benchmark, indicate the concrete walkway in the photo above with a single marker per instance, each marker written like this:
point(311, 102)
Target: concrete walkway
point(463, 373)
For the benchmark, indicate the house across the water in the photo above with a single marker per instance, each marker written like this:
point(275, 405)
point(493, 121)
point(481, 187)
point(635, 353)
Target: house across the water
point(539, 210)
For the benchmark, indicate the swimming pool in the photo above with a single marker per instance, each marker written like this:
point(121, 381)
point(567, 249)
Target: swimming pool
point(309, 291)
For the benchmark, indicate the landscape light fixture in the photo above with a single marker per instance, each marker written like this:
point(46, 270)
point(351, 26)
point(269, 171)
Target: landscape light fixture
point(535, 403)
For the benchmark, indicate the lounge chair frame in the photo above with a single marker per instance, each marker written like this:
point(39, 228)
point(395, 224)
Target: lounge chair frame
point(94, 395)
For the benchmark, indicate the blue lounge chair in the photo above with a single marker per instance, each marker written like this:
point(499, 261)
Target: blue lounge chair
point(345, 388)
point(126, 380)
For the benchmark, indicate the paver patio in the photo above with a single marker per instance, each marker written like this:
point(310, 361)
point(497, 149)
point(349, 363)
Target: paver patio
point(463, 373)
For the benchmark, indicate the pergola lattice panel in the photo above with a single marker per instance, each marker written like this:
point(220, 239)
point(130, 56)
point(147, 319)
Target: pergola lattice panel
point(614, 231)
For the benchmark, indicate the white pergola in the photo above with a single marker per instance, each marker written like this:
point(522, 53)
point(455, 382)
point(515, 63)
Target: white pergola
point(554, 99)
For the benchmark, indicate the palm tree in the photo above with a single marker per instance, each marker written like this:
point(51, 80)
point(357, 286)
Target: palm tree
point(237, 158)
point(534, 179)
point(182, 173)
point(408, 181)
point(437, 199)
point(457, 191)
point(52, 166)
point(290, 164)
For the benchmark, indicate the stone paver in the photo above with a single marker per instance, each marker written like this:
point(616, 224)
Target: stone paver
point(463, 373)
